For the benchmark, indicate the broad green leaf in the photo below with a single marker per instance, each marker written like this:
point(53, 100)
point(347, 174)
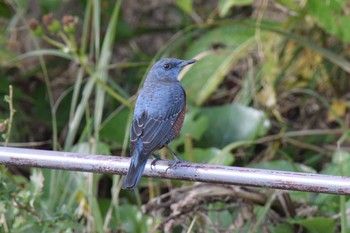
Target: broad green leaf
point(103, 204)
point(224, 218)
point(233, 43)
point(85, 148)
point(194, 125)
point(41, 108)
point(231, 123)
point(18, 93)
point(340, 164)
point(204, 77)
point(114, 129)
point(327, 53)
point(185, 5)
point(332, 16)
point(133, 220)
point(316, 225)
point(226, 5)
point(49, 5)
point(226, 37)
point(282, 228)
point(213, 156)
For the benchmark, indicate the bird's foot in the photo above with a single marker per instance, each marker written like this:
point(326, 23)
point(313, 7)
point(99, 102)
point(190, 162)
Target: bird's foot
point(176, 159)
point(154, 161)
point(175, 162)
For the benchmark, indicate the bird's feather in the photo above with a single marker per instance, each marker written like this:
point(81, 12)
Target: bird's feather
point(156, 129)
point(137, 165)
point(158, 115)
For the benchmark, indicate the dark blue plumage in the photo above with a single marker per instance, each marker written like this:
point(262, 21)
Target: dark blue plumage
point(158, 116)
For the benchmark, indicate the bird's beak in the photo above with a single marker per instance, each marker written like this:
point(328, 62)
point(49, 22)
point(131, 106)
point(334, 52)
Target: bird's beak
point(187, 62)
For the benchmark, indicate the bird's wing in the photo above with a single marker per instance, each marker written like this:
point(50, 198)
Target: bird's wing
point(154, 131)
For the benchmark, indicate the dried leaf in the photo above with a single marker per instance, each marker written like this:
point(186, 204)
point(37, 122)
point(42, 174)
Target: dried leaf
point(338, 108)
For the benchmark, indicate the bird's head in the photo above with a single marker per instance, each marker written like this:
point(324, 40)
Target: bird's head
point(168, 68)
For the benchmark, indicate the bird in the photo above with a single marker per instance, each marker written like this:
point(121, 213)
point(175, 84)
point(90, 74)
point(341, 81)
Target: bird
point(158, 116)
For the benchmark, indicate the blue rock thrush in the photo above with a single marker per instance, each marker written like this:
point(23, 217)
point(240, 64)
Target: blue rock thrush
point(158, 116)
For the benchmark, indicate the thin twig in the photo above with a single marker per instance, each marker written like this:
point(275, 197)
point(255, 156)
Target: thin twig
point(12, 113)
point(299, 133)
point(30, 211)
point(307, 146)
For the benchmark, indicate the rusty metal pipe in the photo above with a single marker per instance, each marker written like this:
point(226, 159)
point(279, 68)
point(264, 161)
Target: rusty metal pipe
point(182, 171)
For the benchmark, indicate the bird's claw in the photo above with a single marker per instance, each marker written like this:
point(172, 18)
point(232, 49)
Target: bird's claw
point(175, 162)
point(154, 161)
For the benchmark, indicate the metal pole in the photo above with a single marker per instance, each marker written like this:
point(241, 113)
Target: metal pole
point(182, 171)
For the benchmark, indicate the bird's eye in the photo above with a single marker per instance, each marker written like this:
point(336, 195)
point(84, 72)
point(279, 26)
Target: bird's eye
point(167, 66)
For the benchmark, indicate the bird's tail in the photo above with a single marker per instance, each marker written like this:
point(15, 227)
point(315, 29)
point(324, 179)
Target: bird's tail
point(137, 165)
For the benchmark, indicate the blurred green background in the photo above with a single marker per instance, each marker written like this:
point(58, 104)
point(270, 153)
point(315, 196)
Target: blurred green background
point(271, 90)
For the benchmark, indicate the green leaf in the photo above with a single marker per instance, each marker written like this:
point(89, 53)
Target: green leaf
point(328, 54)
point(213, 156)
point(114, 129)
point(228, 37)
point(231, 123)
point(85, 148)
point(50, 5)
point(316, 225)
point(204, 77)
point(332, 16)
point(133, 220)
point(282, 228)
point(5, 10)
point(41, 109)
point(208, 73)
point(194, 125)
point(103, 204)
point(101, 73)
point(226, 5)
point(220, 213)
point(340, 164)
point(185, 5)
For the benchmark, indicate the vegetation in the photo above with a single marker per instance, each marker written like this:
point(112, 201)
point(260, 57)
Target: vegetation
point(271, 90)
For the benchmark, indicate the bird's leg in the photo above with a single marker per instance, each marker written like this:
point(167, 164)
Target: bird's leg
point(173, 153)
point(154, 161)
point(176, 158)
